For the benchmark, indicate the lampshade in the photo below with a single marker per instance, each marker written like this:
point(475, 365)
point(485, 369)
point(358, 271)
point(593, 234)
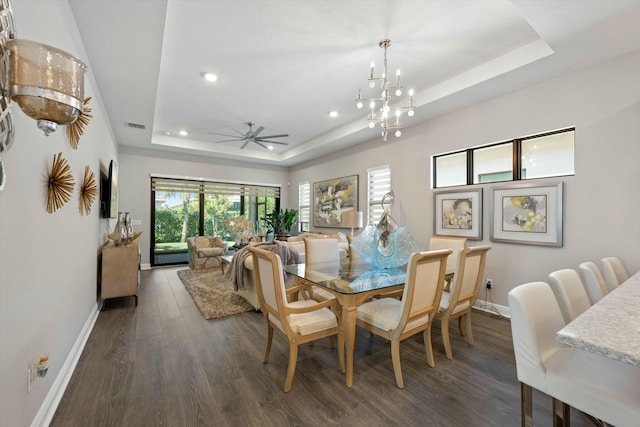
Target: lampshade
point(46, 82)
point(352, 219)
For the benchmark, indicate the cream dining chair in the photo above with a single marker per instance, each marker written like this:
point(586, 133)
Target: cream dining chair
point(570, 293)
point(614, 272)
point(298, 321)
point(397, 320)
point(593, 282)
point(320, 249)
point(458, 302)
point(453, 243)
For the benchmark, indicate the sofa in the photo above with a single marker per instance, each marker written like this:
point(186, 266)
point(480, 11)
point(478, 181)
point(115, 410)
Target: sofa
point(205, 252)
point(247, 288)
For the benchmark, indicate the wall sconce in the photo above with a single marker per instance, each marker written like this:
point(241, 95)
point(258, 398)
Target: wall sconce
point(46, 82)
point(352, 219)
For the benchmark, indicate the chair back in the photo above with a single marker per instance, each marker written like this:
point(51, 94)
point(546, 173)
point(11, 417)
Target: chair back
point(321, 250)
point(535, 319)
point(593, 282)
point(353, 255)
point(613, 272)
point(423, 288)
point(569, 292)
point(468, 277)
point(453, 243)
point(270, 287)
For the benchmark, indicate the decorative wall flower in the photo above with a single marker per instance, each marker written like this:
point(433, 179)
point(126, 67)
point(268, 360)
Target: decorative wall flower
point(88, 191)
point(75, 129)
point(60, 184)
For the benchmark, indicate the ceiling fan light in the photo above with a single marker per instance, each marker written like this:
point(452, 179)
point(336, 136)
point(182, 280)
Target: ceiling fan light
point(210, 77)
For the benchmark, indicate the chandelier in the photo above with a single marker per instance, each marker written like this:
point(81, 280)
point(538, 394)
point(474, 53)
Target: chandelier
point(380, 108)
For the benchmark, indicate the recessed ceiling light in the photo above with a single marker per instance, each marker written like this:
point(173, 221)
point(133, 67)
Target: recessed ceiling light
point(183, 133)
point(167, 133)
point(270, 147)
point(210, 77)
point(333, 113)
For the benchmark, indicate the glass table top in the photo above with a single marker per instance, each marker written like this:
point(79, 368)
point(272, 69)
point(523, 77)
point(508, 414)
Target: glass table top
point(348, 277)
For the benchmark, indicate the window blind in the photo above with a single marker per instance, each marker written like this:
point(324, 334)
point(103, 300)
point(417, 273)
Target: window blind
point(170, 185)
point(304, 202)
point(379, 180)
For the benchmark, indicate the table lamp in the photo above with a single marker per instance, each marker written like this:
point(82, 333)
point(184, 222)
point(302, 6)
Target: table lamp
point(352, 219)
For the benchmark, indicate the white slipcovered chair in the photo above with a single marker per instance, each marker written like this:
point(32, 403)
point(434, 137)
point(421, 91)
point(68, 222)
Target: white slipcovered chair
point(614, 272)
point(458, 302)
point(298, 321)
point(593, 282)
point(603, 388)
point(570, 293)
point(397, 320)
point(205, 252)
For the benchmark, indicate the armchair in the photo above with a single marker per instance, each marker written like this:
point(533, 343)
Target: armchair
point(205, 252)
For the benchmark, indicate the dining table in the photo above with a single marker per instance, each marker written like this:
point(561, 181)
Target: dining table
point(610, 327)
point(352, 282)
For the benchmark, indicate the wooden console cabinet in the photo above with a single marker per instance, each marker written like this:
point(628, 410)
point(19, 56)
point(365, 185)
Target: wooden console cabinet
point(120, 271)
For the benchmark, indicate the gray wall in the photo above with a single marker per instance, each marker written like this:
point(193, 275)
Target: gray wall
point(48, 262)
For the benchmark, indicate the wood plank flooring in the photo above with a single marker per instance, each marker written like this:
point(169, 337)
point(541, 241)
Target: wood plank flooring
point(163, 364)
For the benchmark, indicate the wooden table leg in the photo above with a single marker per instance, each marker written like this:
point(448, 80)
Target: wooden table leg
point(349, 306)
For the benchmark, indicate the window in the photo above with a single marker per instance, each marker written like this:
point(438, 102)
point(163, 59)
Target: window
point(184, 208)
point(379, 180)
point(304, 205)
point(537, 156)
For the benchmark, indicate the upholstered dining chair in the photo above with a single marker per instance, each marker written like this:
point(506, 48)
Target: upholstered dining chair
point(593, 282)
point(570, 293)
point(458, 302)
point(614, 272)
point(397, 320)
point(603, 388)
point(453, 243)
point(320, 249)
point(299, 321)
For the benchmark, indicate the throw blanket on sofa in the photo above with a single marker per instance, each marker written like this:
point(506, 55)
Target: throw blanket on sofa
point(234, 272)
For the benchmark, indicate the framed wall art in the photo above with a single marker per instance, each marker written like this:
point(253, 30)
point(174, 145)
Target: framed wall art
point(333, 197)
point(458, 213)
point(529, 214)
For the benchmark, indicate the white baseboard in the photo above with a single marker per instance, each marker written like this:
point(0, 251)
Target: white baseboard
point(52, 400)
point(490, 307)
point(145, 266)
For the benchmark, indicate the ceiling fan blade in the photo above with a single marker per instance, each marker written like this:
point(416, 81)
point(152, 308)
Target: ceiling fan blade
point(260, 129)
point(225, 134)
point(246, 141)
point(274, 136)
point(260, 144)
point(229, 140)
point(270, 142)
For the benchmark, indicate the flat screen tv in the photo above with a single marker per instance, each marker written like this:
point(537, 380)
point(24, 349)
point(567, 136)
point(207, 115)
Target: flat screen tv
point(109, 192)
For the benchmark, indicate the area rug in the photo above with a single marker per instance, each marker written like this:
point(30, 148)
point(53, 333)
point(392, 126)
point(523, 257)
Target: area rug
point(212, 293)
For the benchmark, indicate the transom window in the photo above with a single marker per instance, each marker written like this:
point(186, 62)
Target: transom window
point(537, 156)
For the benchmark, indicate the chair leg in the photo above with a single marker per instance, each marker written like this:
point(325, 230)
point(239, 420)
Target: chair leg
point(332, 341)
point(267, 349)
point(444, 325)
point(461, 326)
point(426, 335)
point(561, 414)
point(293, 359)
point(395, 357)
point(526, 405)
point(468, 328)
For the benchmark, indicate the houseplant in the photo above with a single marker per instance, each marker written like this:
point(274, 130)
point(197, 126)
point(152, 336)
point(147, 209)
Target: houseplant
point(279, 222)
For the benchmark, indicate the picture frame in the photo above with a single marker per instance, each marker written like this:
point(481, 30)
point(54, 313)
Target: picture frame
point(333, 197)
point(458, 213)
point(529, 214)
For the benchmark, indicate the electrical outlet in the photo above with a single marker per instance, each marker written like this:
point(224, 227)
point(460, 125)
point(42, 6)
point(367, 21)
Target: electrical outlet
point(489, 283)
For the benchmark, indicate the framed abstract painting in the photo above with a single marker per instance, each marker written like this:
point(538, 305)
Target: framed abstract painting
point(333, 197)
point(458, 213)
point(529, 214)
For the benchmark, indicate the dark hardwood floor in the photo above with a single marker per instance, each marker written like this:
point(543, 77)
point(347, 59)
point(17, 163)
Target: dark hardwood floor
point(163, 364)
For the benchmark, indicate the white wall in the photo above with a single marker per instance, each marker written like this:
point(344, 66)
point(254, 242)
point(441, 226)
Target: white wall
point(136, 167)
point(602, 102)
point(48, 262)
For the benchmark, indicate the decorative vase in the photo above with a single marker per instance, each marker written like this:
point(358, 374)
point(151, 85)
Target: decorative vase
point(128, 227)
point(120, 231)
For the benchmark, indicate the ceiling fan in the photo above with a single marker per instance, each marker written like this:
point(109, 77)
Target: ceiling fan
point(252, 136)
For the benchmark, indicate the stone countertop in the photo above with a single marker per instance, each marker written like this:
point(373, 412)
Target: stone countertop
point(611, 327)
